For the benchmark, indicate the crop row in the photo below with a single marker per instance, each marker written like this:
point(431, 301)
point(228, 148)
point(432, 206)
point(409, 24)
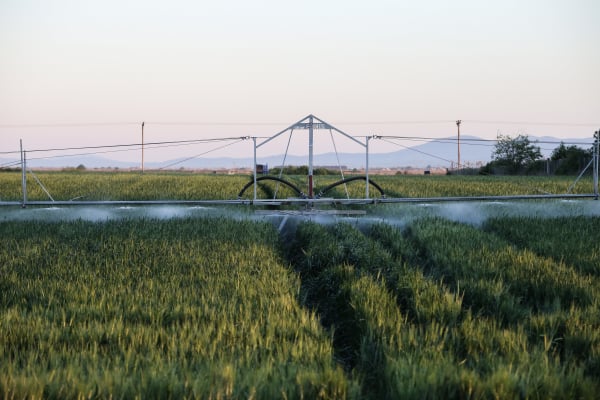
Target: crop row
point(188, 186)
point(182, 308)
point(222, 308)
point(444, 310)
point(572, 240)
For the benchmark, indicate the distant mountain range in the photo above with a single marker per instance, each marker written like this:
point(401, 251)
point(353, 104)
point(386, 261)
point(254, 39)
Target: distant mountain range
point(438, 153)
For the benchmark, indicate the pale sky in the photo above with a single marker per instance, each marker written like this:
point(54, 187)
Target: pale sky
point(355, 64)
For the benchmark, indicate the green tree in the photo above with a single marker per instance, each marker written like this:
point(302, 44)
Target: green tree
point(515, 153)
point(559, 153)
point(571, 158)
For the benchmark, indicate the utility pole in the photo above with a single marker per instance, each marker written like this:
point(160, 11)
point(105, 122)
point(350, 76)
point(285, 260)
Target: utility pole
point(142, 147)
point(458, 122)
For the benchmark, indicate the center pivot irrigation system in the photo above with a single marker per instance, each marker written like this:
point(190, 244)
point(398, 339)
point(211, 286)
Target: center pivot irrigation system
point(311, 124)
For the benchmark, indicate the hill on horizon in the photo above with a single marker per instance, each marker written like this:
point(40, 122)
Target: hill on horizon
point(434, 154)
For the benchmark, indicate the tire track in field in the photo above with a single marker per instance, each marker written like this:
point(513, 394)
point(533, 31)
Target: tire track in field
point(346, 298)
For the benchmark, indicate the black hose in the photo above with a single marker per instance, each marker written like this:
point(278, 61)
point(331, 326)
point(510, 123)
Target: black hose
point(354, 178)
point(272, 178)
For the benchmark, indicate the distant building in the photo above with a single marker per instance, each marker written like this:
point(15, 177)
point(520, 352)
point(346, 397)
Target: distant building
point(262, 169)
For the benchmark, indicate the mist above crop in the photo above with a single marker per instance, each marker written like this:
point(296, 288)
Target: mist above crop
point(474, 213)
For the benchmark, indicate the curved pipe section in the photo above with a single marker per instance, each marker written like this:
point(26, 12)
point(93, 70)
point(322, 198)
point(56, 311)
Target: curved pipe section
point(354, 178)
point(272, 178)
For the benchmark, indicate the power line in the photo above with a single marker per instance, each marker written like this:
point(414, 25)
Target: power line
point(156, 123)
point(585, 124)
point(10, 164)
point(216, 123)
point(131, 147)
point(67, 124)
point(275, 123)
point(418, 151)
point(397, 122)
point(103, 152)
point(201, 154)
point(137, 144)
point(453, 140)
point(208, 123)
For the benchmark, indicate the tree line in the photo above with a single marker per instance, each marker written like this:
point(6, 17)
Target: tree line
point(520, 155)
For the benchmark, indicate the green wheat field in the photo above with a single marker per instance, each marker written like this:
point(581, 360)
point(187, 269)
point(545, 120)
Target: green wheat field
point(218, 307)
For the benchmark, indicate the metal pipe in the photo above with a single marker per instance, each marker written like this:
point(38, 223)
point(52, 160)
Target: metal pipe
point(298, 201)
point(254, 140)
point(310, 156)
point(367, 169)
point(281, 132)
point(580, 175)
point(41, 185)
point(338, 131)
point(458, 141)
point(142, 147)
point(596, 161)
point(23, 175)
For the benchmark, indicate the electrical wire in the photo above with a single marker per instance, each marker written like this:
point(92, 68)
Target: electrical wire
point(466, 141)
point(215, 123)
point(201, 154)
point(10, 164)
point(131, 147)
point(275, 123)
point(104, 152)
point(67, 125)
point(445, 141)
point(453, 140)
point(406, 122)
point(138, 144)
point(418, 151)
point(538, 123)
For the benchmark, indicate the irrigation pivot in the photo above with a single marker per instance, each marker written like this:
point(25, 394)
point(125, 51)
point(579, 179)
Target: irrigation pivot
point(311, 123)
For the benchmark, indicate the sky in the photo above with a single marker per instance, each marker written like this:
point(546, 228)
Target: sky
point(77, 73)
